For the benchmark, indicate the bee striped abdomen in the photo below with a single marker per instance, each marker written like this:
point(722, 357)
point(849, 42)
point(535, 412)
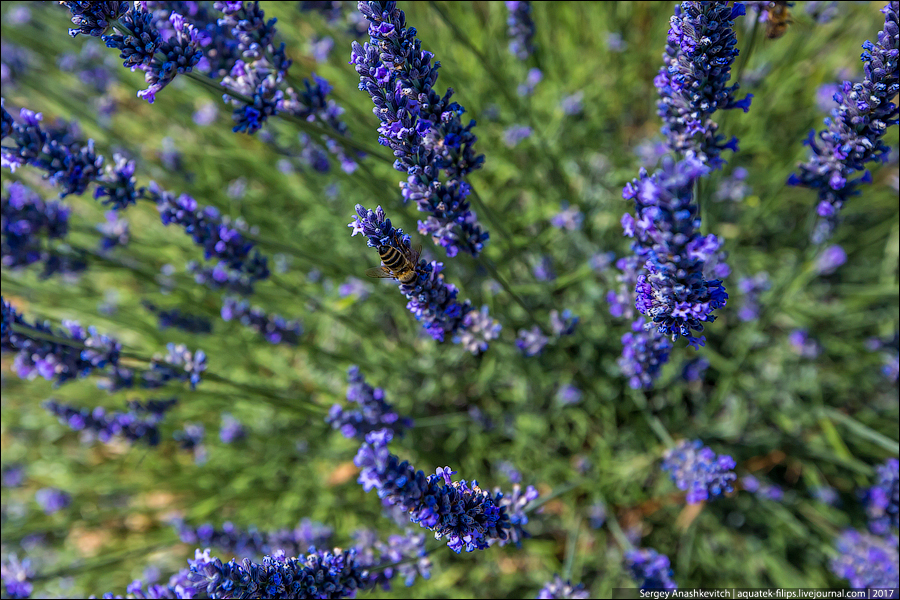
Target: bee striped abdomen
point(392, 258)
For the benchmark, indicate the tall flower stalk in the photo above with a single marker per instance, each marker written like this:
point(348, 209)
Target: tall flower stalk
point(853, 135)
point(424, 130)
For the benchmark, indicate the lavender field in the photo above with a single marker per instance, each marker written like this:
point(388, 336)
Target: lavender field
point(448, 299)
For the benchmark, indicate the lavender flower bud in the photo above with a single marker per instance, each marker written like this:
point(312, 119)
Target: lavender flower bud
point(232, 430)
point(275, 329)
point(866, 561)
point(252, 543)
point(94, 18)
point(562, 589)
point(830, 259)
point(520, 29)
point(16, 576)
point(531, 342)
point(674, 291)
point(883, 499)
point(52, 500)
point(470, 518)
point(140, 423)
point(650, 569)
point(406, 551)
point(139, 46)
point(692, 82)
point(695, 468)
point(374, 414)
point(854, 133)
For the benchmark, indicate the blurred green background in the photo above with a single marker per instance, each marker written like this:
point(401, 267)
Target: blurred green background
point(793, 421)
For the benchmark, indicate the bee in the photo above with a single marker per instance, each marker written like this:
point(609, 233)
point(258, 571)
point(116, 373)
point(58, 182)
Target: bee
point(397, 264)
point(777, 19)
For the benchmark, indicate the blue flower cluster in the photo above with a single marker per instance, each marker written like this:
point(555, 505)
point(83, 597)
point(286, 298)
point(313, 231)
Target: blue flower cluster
point(431, 299)
point(374, 412)
point(405, 554)
point(470, 518)
point(252, 543)
point(559, 588)
point(650, 569)
point(883, 499)
point(140, 423)
point(56, 355)
point(520, 29)
point(52, 500)
point(94, 18)
point(16, 576)
point(274, 328)
point(854, 132)
point(867, 561)
point(696, 469)
point(423, 129)
point(318, 575)
point(692, 83)
point(177, 319)
point(67, 162)
point(675, 292)
point(220, 238)
point(27, 224)
point(179, 364)
point(178, 586)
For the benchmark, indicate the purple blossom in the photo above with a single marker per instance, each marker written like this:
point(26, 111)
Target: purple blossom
point(94, 18)
point(515, 134)
point(405, 553)
point(563, 323)
point(558, 588)
point(733, 188)
point(650, 569)
point(432, 300)
point(692, 83)
point(831, 258)
point(752, 287)
point(16, 576)
point(531, 341)
point(597, 514)
point(114, 232)
point(177, 319)
point(676, 291)
point(533, 78)
point(191, 439)
point(573, 104)
point(274, 328)
point(52, 500)
point(423, 129)
point(337, 574)
point(568, 394)
point(543, 269)
point(253, 543)
point(768, 491)
point(140, 423)
point(520, 29)
point(802, 344)
point(883, 498)
point(695, 369)
point(470, 518)
point(232, 430)
point(569, 218)
point(699, 471)
point(29, 227)
point(866, 561)
point(478, 330)
point(13, 475)
point(354, 286)
point(219, 239)
point(374, 412)
point(854, 133)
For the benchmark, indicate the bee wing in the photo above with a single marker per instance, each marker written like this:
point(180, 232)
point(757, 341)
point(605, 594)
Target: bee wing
point(379, 272)
point(414, 254)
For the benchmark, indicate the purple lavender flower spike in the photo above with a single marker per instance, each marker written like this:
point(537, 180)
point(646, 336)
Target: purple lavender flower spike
point(692, 83)
point(423, 129)
point(252, 543)
point(531, 342)
point(470, 518)
point(831, 258)
point(179, 320)
point(16, 576)
point(52, 500)
point(114, 232)
point(374, 412)
point(676, 291)
point(882, 500)
point(94, 18)
point(559, 588)
point(432, 300)
point(650, 569)
point(78, 353)
point(279, 577)
point(219, 236)
point(699, 471)
point(866, 561)
point(274, 328)
point(140, 423)
point(406, 551)
point(854, 133)
point(232, 430)
point(752, 287)
point(520, 29)
point(141, 42)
